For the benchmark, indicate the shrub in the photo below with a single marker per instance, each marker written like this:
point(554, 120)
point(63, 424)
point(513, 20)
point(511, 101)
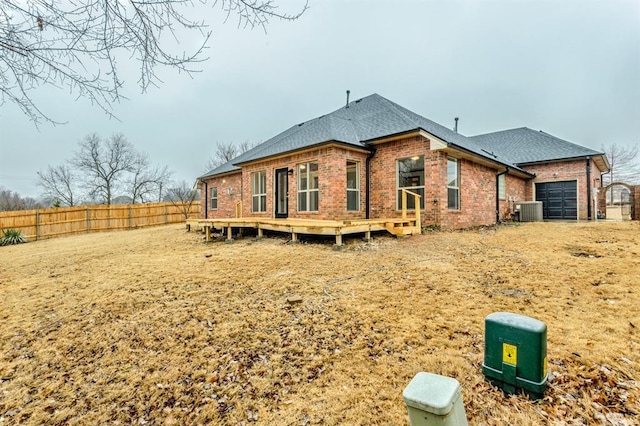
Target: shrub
point(11, 237)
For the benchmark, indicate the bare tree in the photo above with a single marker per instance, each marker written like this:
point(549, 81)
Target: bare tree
point(624, 165)
point(145, 182)
point(10, 201)
point(104, 164)
point(225, 152)
point(183, 196)
point(78, 45)
point(59, 183)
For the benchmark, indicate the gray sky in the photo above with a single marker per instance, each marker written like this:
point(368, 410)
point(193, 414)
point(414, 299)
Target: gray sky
point(570, 68)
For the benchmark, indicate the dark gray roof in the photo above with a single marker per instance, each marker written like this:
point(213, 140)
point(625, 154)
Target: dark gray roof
point(523, 146)
point(357, 124)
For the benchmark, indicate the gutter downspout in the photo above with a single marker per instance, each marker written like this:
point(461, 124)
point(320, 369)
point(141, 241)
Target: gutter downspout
point(368, 176)
point(498, 193)
point(206, 199)
point(589, 195)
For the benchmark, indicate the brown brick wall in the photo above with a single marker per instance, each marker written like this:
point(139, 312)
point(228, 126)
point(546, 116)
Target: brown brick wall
point(477, 197)
point(226, 203)
point(516, 190)
point(383, 173)
point(635, 200)
point(332, 164)
point(566, 171)
point(477, 186)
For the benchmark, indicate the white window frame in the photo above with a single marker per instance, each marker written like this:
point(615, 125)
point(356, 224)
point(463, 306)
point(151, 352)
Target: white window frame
point(213, 197)
point(259, 191)
point(502, 187)
point(420, 189)
point(355, 190)
point(308, 191)
point(455, 187)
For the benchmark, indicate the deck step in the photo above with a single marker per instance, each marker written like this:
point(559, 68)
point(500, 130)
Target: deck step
point(401, 228)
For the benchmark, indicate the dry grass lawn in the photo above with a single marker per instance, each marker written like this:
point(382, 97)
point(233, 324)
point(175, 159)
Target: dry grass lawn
point(157, 327)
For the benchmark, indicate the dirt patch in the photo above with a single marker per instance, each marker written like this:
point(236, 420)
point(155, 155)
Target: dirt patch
point(155, 326)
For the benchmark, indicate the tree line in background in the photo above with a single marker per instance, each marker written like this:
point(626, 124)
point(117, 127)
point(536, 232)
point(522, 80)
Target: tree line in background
point(111, 171)
point(102, 171)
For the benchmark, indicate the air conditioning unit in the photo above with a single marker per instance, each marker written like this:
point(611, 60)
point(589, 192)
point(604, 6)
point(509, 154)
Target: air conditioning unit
point(528, 211)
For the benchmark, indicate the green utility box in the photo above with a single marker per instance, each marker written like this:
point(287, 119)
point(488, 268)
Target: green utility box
point(515, 353)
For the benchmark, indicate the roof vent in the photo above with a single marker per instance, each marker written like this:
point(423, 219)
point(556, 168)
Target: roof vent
point(455, 126)
point(348, 93)
point(300, 124)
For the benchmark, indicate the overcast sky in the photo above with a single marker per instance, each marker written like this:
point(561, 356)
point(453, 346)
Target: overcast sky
point(570, 68)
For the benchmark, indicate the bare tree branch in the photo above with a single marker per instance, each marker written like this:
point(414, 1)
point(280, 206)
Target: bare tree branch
point(624, 167)
point(145, 182)
point(10, 201)
point(183, 196)
point(104, 164)
point(624, 162)
point(225, 152)
point(59, 183)
point(78, 45)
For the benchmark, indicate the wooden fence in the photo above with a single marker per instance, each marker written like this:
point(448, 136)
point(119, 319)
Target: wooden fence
point(47, 223)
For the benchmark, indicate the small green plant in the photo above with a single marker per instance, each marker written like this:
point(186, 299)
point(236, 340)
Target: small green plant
point(431, 228)
point(11, 237)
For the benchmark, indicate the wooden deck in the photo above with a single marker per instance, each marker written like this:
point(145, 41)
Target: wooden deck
point(396, 226)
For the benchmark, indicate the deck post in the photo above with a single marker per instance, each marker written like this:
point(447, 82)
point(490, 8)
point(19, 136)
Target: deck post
point(367, 235)
point(294, 237)
point(259, 232)
point(404, 204)
point(338, 239)
point(229, 236)
point(416, 202)
point(207, 232)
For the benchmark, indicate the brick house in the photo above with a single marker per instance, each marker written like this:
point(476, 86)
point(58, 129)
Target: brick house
point(566, 176)
point(353, 163)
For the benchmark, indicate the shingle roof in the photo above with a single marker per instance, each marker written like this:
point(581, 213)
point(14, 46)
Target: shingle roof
point(362, 121)
point(524, 145)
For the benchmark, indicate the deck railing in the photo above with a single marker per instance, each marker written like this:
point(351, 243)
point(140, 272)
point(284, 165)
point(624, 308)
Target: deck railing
point(416, 203)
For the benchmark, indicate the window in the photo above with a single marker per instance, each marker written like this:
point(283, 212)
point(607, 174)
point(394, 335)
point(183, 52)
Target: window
point(308, 187)
point(353, 186)
point(502, 187)
point(214, 198)
point(453, 184)
point(410, 176)
point(259, 191)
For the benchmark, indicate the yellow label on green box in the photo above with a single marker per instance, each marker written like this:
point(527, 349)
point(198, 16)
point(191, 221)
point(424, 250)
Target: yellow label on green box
point(544, 367)
point(509, 354)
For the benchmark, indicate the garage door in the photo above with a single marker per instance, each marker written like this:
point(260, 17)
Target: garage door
point(559, 199)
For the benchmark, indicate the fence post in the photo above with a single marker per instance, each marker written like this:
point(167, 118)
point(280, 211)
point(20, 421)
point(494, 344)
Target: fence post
point(88, 220)
point(166, 218)
point(130, 215)
point(37, 224)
